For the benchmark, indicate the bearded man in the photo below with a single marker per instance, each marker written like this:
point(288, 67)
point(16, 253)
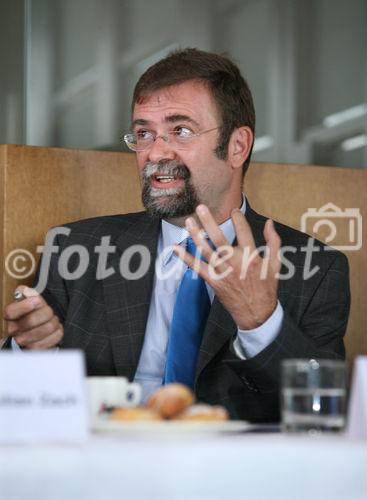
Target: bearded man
point(215, 308)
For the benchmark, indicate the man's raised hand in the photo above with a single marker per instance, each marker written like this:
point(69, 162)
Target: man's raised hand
point(244, 282)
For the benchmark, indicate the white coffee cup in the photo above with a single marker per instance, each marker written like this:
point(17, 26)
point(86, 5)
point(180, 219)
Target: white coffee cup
point(105, 392)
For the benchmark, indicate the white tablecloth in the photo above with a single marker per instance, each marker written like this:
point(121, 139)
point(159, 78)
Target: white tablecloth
point(248, 466)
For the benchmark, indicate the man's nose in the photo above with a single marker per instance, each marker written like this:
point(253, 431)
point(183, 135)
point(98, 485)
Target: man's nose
point(161, 149)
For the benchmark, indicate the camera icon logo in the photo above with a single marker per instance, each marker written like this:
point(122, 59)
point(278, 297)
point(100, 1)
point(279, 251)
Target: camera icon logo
point(341, 229)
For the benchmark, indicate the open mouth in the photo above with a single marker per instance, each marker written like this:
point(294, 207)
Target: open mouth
point(166, 181)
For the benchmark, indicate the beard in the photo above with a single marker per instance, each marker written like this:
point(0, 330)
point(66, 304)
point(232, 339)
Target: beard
point(178, 202)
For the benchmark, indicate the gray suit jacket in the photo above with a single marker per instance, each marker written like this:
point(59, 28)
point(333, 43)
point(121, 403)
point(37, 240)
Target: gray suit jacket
point(107, 318)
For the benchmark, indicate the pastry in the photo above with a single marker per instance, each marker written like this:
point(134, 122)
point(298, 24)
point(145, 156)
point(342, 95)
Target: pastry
point(134, 414)
point(171, 399)
point(204, 412)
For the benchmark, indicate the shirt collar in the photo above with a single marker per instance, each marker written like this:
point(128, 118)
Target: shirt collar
point(173, 235)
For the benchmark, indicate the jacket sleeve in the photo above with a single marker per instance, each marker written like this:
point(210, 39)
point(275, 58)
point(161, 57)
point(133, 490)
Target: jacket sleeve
point(313, 326)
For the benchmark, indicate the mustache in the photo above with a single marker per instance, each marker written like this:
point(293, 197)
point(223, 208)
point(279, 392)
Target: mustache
point(171, 167)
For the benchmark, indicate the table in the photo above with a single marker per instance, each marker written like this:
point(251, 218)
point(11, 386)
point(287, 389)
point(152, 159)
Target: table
point(246, 466)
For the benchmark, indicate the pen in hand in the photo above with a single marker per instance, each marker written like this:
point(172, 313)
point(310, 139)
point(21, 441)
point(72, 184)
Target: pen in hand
point(19, 296)
point(24, 292)
point(29, 312)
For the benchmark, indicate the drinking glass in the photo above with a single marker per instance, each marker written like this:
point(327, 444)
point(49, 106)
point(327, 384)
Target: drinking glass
point(313, 395)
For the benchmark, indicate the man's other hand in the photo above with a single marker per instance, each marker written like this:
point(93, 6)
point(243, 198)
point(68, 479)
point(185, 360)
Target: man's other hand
point(32, 322)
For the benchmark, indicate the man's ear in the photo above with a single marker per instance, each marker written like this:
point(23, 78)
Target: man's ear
point(240, 146)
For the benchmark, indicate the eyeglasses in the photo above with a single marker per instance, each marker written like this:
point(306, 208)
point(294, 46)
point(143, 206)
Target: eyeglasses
point(179, 138)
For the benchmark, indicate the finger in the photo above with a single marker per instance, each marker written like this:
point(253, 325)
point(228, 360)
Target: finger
point(25, 339)
point(218, 258)
point(211, 227)
point(32, 320)
point(212, 275)
point(50, 341)
point(18, 309)
point(198, 265)
point(243, 231)
point(273, 243)
point(27, 291)
point(12, 328)
point(198, 236)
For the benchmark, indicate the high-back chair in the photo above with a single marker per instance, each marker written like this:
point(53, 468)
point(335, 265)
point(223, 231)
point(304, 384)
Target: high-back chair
point(45, 187)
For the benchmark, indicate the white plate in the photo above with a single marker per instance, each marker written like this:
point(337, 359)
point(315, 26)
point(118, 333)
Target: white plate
point(169, 427)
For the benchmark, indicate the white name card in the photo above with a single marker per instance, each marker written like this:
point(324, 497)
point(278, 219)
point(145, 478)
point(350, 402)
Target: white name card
point(42, 397)
point(357, 412)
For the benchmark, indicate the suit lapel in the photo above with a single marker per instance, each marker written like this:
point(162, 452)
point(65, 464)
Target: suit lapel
point(127, 300)
point(220, 327)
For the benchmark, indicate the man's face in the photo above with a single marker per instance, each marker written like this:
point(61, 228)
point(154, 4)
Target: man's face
point(175, 180)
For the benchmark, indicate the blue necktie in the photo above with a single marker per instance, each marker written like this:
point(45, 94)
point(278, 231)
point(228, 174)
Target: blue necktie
point(188, 322)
